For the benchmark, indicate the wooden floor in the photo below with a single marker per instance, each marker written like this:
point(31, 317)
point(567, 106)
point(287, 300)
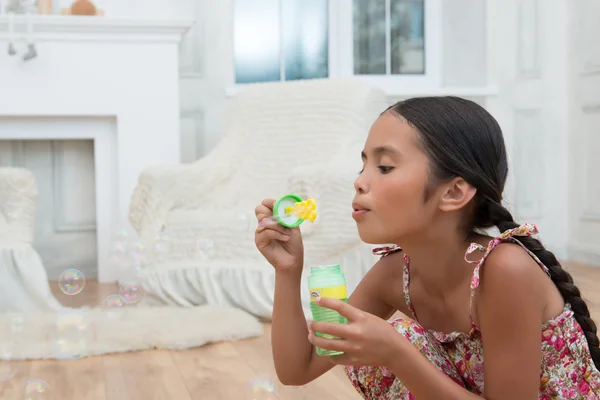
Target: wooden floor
point(218, 371)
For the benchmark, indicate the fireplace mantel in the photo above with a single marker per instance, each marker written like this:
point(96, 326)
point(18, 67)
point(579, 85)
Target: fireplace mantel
point(117, 76)
point(82, 28)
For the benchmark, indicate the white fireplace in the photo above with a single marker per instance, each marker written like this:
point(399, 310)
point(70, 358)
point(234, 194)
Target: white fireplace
point(114, 81)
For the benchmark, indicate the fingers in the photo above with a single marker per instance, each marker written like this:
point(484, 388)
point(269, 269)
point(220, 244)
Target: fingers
point(270, 223)
point(266, 221)
point(345, 309)
point(269, 203)
point(330, 328)
point(262, 212)
point(265, 235)
point(329, 344)
point(264, 209)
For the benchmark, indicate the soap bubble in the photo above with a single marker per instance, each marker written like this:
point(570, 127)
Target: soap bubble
point(71, 282)
point(7, 365)
point(125, 252)
point(121, 243)
point(131, 293)
point(113, 305)
point(136, 252)
point(261, 389)
point(36, 389)
point(205, 247)
point(70, 336)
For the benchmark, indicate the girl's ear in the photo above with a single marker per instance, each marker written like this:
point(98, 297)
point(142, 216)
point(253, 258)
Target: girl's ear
point(457, 194)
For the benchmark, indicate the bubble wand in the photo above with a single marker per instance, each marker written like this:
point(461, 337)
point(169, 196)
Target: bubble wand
point(291, 211)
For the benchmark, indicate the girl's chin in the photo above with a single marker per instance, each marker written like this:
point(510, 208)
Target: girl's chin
point(370, 237)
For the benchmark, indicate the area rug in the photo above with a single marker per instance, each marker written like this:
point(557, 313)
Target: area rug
point(77, 333)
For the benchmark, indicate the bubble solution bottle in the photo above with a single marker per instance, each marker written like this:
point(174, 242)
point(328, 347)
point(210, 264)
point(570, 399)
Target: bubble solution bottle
point(327, 281)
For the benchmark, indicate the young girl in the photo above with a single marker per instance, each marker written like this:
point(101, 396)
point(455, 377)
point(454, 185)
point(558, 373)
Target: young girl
point(433, 174)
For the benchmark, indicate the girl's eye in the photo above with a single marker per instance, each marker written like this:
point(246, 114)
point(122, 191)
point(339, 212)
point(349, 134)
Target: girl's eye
point(384, 169)
point(361, 171)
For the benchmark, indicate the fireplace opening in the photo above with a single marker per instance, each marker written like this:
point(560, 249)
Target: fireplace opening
point(65, 224)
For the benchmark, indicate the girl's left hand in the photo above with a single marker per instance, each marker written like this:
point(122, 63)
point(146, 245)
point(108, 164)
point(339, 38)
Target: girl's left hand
point(366, 340)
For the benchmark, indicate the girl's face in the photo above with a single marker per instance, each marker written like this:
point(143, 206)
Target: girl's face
point(389, 204)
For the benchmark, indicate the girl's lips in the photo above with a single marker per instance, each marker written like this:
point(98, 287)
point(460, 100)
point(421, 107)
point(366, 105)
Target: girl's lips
point(359, 213)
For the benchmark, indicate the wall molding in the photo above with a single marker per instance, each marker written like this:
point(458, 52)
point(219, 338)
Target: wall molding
point(191, 64)
point(196, 115)
point(589, 213)
point(528, 40)
point(18, 155)
point(589, 29)
point(60, 220)
point(92, 28)
point(528, 123)
point(590, 68)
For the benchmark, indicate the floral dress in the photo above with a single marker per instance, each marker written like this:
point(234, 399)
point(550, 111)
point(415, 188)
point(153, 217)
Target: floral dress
point(567, 371)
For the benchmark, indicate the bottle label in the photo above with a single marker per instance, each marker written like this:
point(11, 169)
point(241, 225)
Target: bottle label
point(334, 292)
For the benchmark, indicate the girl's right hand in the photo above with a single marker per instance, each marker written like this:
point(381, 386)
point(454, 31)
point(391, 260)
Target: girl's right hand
point(281, 246)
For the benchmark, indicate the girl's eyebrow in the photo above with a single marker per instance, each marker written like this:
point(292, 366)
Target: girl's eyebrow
point(380, 150)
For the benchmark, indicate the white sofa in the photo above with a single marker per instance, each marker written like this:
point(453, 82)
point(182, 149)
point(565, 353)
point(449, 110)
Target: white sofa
point(301, 137)
point(23, 279)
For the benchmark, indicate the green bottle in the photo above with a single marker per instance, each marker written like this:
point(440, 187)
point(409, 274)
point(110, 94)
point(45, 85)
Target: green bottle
point(327, 281)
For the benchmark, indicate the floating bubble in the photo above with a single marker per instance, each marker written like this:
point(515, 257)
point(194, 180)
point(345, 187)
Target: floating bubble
point(36, 389)
point(7, 365)
point(113, 305)
point(71, 282)
point(70, 336)
point(261, 389)
point(131, 293)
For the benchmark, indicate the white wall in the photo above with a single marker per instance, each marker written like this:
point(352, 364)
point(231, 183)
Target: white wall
point(207, 69)
point(527, 56)
point(584, 129)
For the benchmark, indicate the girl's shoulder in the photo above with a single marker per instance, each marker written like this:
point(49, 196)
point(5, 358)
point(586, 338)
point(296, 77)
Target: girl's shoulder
point(509, 274)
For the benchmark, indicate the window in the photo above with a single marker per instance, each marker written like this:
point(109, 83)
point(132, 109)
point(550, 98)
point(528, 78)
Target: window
point(392, 43)
point(388, 37)
point(281, 40)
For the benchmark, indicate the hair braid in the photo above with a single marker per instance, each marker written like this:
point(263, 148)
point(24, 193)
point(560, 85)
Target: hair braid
point(502, 218)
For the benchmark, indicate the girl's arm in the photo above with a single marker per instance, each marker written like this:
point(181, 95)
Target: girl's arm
point(510, 304)
point(296, 362)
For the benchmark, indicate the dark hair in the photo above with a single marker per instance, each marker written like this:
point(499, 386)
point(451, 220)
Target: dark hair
point(462, 139)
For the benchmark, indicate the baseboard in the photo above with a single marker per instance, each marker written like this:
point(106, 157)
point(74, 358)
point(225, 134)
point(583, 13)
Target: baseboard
point(588, 254)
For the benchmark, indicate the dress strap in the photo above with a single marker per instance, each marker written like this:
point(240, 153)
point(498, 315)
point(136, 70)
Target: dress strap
point(386, 251)
point(406, 285)
point(510, 235)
